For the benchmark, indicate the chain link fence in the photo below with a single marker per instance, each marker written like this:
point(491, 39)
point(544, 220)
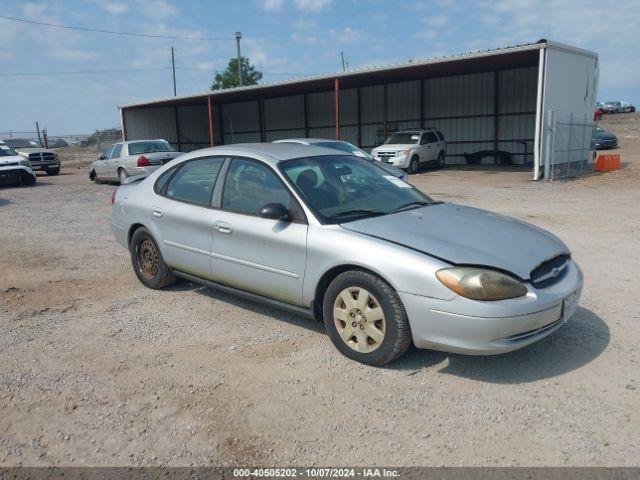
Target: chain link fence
point(568, 150)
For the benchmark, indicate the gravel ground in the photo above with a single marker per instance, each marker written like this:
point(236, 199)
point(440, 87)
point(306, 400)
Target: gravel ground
point(97, 370)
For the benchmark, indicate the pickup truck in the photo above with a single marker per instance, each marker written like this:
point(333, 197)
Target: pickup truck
point(39, 157)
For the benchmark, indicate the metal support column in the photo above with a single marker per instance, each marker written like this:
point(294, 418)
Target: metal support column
point(175, 112)
point(496, 112)
point(306, 116)
point(263, 135)
point(421, 103)
point(336, 99)
point(211, 137)
point(386, 104)
point(358, 103)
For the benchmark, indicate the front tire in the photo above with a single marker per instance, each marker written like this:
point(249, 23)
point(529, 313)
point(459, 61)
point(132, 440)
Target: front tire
point(365, 318)
point(414, 164)
point(147, 261)
point(27, 179)
point(53, 171)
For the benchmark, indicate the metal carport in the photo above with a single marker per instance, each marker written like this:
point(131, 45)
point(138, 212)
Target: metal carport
point(490, 100)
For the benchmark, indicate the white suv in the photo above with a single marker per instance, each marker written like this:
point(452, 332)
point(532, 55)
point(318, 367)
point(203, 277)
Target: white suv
point(409, 149)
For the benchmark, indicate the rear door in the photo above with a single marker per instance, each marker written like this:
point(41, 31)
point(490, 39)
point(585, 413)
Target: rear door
point(113, 164)
point(431, 143)
point(182, 217)
point(252, 253)
point(101, 164)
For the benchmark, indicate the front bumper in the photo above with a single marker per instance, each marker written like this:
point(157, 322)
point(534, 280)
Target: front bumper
point(44, 165)
point(400, 162)
point(489, 328)
point(13, 174)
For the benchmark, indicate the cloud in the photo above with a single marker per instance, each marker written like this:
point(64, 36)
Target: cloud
point(313, 6)
point(157, 9)
point(435, 20)
point(115, 8)
point(348, 35)
point(73, 54)
point(427, 35)
point(33, 9)
point(271, 5)
point(304, 24)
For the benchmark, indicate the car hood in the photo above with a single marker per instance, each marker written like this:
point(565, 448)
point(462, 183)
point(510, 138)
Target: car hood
point(11, 159)
point(466, 236)
point(395, 146)
point(28, 150)
point(604, 136)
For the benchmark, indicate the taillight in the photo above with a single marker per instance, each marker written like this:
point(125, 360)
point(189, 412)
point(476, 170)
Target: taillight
point(143, 161)
point(113, 196)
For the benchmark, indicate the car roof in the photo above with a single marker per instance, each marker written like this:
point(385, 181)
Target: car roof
point(308, 141)
point(271, 153)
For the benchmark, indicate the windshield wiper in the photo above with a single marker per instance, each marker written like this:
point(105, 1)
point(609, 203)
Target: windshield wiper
point(412, 205)
point(361, 212)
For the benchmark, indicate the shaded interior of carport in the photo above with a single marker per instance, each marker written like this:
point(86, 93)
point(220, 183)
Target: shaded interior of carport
point(480, 102)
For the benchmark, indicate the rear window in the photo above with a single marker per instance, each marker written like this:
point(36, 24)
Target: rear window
point(151, 146)
point(194, 182)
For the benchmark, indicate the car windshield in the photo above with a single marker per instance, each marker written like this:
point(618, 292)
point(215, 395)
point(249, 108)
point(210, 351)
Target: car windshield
point(22, 143)
point(403, 138)
point(7, 151)
point(346, 188)
point(345, 147)
point(151, 146)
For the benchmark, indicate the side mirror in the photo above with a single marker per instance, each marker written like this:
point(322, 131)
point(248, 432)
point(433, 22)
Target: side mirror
point(102, 157)
point(275, 211)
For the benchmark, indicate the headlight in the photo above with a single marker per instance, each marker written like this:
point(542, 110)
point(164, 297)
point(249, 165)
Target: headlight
point(402, 153)
point(481, 283)
point(25, 163)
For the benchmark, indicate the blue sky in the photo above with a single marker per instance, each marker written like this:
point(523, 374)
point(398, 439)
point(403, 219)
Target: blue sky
point(283, 38)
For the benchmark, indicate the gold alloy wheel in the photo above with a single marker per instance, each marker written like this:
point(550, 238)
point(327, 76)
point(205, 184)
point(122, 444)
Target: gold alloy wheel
point(359, 319)
point(148, 258)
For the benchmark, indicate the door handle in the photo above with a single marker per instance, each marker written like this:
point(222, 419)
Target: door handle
point(223, 227)
point(157, 212)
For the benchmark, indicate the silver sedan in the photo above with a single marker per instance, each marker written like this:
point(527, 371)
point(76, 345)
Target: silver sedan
point(329, 235)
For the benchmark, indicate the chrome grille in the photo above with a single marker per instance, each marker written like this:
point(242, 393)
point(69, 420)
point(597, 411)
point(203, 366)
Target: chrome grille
point(550, 272)
point(42, 156)
point(386, 154)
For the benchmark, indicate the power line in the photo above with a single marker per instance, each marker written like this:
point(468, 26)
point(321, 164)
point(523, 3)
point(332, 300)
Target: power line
point(128, 70)
point(112, 32)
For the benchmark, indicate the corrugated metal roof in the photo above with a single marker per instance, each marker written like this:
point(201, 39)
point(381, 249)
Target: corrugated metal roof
point(364, 71)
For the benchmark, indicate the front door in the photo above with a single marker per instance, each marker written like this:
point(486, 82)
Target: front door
point(257, 254)
point(182, 217)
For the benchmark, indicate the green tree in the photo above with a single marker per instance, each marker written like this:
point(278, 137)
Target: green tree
point(229, 78)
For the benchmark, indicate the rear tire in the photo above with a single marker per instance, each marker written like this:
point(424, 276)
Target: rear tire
point(365, 318)
point(53, 171)
point(414, 164)
point(147, 261)
point(122, 175)
point(440, 160)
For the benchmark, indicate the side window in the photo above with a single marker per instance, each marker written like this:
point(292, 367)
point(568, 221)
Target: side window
point(163, 179)
point(440, 135)
point(107, 153)
point(195, 180)
point(115, 153)
point(249, 186)
point(424, 140)
point(431, 137)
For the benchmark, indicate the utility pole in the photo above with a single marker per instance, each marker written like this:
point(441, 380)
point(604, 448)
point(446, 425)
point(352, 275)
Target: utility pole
point(344, 69)
point(173, 67)
point(238, 37)
point(38, 130)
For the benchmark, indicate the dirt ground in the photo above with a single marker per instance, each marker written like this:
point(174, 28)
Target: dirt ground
point(95, 369)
